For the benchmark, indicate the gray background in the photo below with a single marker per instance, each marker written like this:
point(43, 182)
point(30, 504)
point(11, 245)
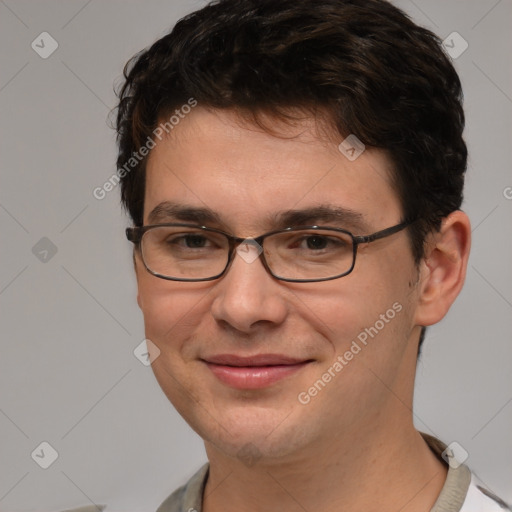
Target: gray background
point(70, 323)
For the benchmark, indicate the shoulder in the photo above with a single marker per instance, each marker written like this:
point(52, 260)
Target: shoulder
point(462, 490)
point(187, 498)
point(479, 499)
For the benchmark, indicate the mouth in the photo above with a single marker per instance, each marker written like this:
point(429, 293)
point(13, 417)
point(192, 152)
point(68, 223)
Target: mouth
point(254, 372)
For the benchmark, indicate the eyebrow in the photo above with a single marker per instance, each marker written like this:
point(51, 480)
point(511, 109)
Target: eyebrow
point(168, 211)
point(323, 214)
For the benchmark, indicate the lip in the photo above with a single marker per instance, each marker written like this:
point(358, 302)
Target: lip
point(253, 372)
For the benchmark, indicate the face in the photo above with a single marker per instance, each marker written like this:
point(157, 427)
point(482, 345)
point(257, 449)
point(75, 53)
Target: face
point(248, 359)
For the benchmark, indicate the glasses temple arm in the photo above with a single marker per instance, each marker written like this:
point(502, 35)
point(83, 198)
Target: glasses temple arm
point(382, 234)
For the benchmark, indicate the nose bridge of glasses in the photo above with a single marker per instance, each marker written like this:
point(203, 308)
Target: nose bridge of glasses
point(249, 249)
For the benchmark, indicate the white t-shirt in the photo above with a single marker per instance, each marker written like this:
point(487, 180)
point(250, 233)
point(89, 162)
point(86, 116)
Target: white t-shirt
point(479, 500)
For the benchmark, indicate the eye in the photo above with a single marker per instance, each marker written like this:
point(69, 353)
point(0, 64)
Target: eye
point(319, 242)
point(193, 241)
point(316, 242)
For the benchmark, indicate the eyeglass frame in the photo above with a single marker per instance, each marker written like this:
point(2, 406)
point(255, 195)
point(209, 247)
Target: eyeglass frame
point(135, 234)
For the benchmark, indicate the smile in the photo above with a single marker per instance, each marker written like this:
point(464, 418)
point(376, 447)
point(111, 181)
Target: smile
point(253, 372)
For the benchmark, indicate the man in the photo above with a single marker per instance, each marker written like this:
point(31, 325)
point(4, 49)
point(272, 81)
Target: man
point(294, 173)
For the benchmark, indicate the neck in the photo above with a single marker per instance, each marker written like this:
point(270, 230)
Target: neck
point(393, 472)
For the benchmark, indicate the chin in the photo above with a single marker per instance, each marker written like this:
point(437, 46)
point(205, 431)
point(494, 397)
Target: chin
point(250, 449)
point(252, 434)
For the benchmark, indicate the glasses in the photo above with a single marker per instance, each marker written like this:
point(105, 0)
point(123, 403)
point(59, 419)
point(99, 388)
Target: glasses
point(187, 252)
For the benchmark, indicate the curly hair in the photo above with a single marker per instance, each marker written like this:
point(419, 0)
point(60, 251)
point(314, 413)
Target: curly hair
point(364, 63)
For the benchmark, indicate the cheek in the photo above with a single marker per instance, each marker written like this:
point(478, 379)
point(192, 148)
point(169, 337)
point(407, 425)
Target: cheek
point(341, 309)
point(363, 307)
point(172, 311)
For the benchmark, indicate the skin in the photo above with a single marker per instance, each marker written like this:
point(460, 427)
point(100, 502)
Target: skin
point(353, 446)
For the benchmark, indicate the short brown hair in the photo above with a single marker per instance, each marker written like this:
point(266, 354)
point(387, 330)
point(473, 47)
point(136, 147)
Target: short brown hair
point(373, 71)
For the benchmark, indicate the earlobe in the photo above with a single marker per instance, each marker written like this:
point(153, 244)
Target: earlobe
point(443, 269)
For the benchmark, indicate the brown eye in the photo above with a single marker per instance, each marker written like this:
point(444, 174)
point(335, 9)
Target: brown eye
point(316, 242)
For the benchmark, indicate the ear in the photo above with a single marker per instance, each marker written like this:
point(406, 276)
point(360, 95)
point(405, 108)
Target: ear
point(137, 265)
point(443, 268)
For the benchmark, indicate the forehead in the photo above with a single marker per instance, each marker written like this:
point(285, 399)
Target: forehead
point(247, 175)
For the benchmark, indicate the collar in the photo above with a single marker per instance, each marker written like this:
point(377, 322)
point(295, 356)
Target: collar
point(189, 497)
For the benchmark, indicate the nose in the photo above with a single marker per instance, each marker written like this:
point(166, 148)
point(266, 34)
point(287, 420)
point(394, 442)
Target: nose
point(248, 297)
